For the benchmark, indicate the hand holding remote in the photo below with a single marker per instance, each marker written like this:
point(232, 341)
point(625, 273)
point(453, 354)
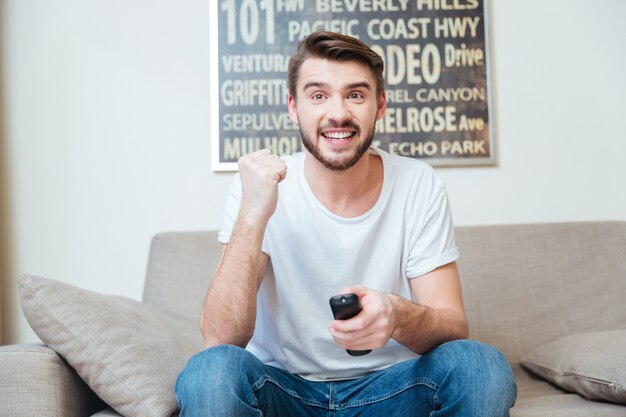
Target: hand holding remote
point(346, 306)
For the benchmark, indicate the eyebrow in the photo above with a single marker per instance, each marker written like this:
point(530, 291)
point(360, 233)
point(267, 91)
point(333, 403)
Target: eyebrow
point(322, 84)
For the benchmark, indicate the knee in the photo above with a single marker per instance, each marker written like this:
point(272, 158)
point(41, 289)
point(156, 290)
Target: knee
point(213, 367)
point(492, 368)
point(484, 368)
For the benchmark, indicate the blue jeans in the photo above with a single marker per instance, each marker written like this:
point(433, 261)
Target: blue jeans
point(459, 378)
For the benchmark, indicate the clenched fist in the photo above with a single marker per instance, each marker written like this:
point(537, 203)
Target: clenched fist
point(372, 327)
point(261, 172)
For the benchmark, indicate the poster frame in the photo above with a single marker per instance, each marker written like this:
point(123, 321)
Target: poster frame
point(459, 161)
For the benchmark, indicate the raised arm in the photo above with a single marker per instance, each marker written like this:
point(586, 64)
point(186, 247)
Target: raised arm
point(229, 312)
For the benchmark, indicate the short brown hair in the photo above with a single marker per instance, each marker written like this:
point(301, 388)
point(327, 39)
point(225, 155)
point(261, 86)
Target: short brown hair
point(336, 47)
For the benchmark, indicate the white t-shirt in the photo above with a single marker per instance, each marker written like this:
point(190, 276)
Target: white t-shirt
point(314, 253)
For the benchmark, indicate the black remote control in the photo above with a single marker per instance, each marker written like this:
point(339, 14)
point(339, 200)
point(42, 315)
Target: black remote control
point(346, 306)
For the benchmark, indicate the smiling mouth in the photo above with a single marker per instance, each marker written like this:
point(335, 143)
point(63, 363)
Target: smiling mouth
point(334, 135)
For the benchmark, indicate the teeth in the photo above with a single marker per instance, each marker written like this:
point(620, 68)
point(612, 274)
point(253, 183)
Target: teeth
point(338, 135)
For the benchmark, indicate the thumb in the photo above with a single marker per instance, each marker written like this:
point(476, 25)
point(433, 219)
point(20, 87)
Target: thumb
point(359, 290)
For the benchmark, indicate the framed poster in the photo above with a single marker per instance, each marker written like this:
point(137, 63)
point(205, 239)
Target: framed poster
point(436, 75)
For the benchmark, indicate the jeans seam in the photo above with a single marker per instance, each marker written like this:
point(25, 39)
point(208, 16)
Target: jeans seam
point(421, 381)
point(265, 379)
point(436, 403)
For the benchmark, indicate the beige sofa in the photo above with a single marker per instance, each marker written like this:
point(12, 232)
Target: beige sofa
point(526, 287)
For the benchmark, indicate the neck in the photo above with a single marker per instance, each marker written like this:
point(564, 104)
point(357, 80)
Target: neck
point(350, 192)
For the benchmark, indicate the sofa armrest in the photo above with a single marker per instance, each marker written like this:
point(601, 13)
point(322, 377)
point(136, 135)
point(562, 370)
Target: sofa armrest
point(36, 381)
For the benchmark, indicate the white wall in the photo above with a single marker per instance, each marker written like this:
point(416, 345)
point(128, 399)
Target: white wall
point(108, 129)
point(559, 91)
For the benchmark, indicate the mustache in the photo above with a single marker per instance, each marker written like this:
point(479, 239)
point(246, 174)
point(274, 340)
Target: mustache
point(345, 125)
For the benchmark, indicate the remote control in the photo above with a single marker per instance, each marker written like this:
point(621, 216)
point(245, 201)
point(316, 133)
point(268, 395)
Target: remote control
point(345, 306)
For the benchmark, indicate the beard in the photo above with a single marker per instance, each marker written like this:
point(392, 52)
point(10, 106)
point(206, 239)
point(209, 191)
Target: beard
point(347, 161)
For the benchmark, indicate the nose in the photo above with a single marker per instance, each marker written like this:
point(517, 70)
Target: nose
point(338, 111)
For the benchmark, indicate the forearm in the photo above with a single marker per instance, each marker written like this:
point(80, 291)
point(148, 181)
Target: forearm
point(422, 328)
point(229, 311)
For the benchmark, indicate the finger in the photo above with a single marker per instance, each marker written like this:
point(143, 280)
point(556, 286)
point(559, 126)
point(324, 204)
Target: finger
point(267, 159)
point(264, 151)
point(280, 168)
point(270, 165)
point(356, 323)
point(351, 335)
point(356, 340)
point(255, 155)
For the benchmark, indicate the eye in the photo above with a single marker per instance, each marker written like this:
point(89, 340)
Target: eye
point(318, 97)
point(356, 96)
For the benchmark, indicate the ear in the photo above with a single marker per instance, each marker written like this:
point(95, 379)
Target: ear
point(381, 106)
point(293, 114)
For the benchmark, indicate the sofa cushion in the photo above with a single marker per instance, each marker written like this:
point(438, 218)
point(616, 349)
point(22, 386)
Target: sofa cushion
point(590, 364)
point(112, 413)
point(129, 353)
point(36, 381)
point(565, 405)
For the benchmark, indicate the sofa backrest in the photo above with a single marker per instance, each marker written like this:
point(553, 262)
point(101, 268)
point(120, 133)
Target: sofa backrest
point(523, 285)
point(180, 268)
point(526, 285)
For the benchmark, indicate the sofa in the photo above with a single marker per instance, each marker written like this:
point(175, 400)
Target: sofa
point(551, 297)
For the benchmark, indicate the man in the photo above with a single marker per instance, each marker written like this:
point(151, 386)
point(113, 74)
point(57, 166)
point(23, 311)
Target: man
point(340, 218)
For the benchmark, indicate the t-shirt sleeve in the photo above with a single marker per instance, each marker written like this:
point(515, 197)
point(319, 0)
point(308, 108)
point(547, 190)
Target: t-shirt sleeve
point(231, 212)
point(432, 243)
